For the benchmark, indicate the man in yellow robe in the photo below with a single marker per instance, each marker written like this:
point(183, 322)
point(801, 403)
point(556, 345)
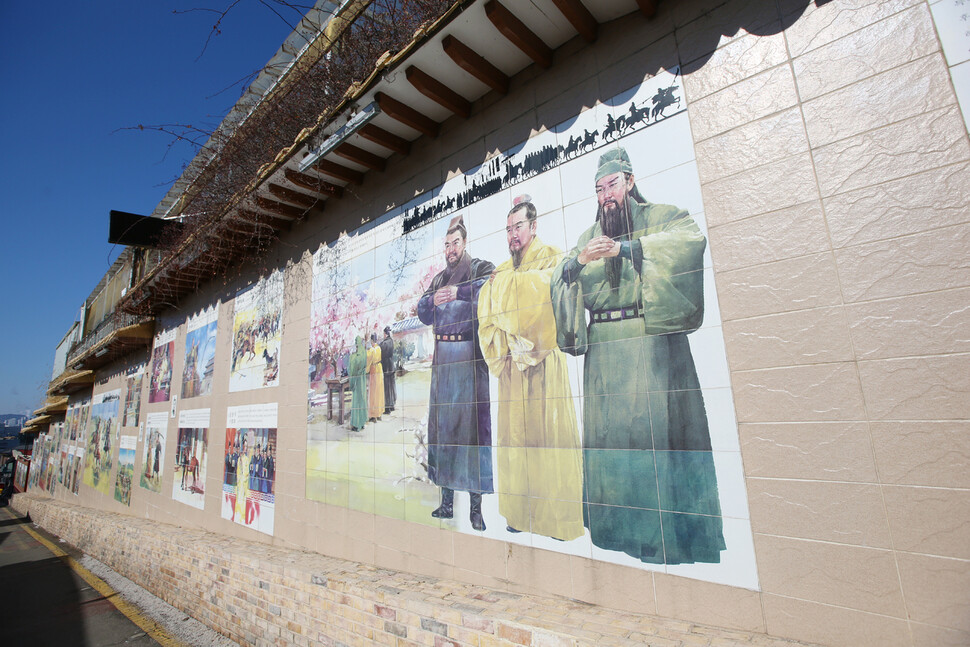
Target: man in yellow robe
point(375, 380)
point(540, 477)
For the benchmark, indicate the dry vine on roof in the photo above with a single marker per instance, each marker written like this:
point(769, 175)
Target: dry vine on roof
point(210, 243)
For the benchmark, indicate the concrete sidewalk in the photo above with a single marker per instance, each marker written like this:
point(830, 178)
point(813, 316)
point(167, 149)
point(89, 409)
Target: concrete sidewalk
point(51, 594)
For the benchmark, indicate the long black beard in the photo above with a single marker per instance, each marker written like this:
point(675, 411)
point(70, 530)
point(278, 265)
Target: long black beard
point(615, 223)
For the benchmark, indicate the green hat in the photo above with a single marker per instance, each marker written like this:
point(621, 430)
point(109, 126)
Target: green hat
point(613, 161)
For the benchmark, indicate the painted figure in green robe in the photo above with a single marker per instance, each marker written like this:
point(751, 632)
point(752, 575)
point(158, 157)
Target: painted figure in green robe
point(358, 386)
point(650, 486)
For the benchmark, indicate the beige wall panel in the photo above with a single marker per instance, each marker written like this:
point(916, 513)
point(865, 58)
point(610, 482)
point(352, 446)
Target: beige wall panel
point(779, 235)
point(934, 260)
point(783, 286)
point(937, 590)
point(844, 513)
point(919, 202)
point(933, 521)
point(758, 96)
point(708, 603)
point(770, 139)
point(698, 20)
point(895, 40)
point(836, 451)
point(918, 388)
point(923, 453)
point(855, 577)
point(833, 625)
point(927, 140)
point(923, 324)
point(763, 189)
point(799, 394)
point(819, 26)
point(543, 572)
point(816, 336)
point(879, 100)
point(612, 586)
point(740, 59)
point(932, 636)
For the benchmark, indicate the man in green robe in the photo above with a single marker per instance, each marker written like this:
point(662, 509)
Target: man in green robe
point(358, 386)
point(650, 486)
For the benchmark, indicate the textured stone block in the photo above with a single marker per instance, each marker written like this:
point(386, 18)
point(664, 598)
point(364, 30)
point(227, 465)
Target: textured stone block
point(820, 25)
point(933, 323)
point(717, 604)
point(763, 94)
point(845, 513)
point(783, 286)
point(848, 576)
point(794, 231)
point(918, 388)
point(936, 138)
point(923, 453)
point(880, 46)
point(937, 589)
point(798, 394)
point(894, 95)
point(742, 58)
point(760, 142)
point(933, 260)
point(833, 451)
point(926, 200)
point(760, 190)
point(933, 521)
point(833, 625)
point(805, 337)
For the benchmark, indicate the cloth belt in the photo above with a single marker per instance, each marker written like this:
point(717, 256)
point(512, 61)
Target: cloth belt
point(454, 337)
point(621, 314)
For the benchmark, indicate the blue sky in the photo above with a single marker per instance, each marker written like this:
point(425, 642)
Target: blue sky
point(74, 74)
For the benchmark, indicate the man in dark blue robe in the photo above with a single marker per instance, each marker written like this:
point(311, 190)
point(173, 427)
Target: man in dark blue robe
point(459, 422)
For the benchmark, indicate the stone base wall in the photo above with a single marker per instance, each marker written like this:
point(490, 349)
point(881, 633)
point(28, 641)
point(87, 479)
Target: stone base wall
point(267, 595)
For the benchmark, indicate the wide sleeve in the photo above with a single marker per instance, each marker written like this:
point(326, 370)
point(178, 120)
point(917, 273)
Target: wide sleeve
point(568, 308)
point(672, 276)
point(491, 331)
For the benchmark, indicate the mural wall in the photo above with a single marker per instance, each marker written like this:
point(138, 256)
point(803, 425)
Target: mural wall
point(160, 368)
point(200, 354)
point(101, 440)
point(153, 456)
point(533, 352)
point(256, 335)
point(249, 477)
point(191, 457)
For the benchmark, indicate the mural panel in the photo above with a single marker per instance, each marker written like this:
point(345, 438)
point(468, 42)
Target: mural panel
point(101, 440)
point(160, 370)
point(200, 353)
point(126, 468)
point(153, 451)
point(534, 352)
point(256, 335)
point(249, 477)
point(190, 458)
point(133, 397)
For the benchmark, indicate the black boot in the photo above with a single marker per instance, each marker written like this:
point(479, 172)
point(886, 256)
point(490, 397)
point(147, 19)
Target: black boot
point(475, 516)
point(447, 508)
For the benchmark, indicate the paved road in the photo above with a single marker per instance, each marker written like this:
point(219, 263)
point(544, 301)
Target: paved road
point(48, 598)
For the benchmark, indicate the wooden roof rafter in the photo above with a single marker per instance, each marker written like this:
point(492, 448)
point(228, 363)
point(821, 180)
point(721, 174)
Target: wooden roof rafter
point(475, 64)
point(313, 183)
point(385, 138)
point(518, 33)
point(407, 115)
point(360, 156)
point(292, 197)
point(438, 92)
point(339, 172)
point(579, 17)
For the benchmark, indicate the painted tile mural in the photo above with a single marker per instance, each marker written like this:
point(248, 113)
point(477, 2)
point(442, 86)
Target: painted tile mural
point(153, 451)
point(101, 440)
point(126, 468)
point(534, 352)
point(249, 476)
point(256, 335)
point(160, 373)
point(191, 458)
point(200, 353)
